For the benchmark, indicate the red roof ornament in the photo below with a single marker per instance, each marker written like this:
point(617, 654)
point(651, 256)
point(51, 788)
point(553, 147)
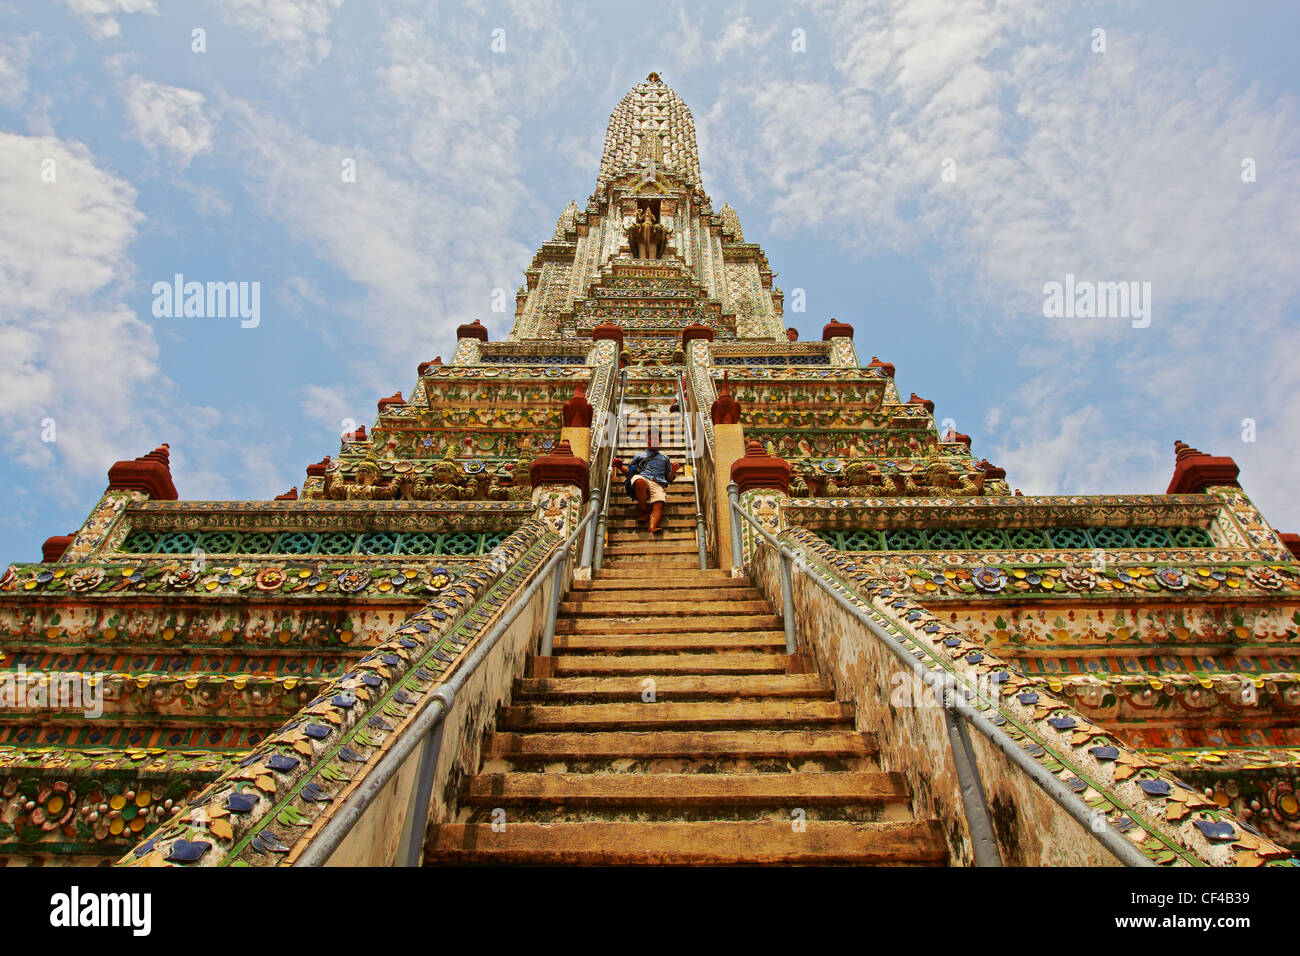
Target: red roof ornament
point(990, 470)
point(725, 410)
point(395, 399)
point(290, 495)
point(696, 331)
point(835, 328)
point(577, 411)
point(1292, 542)
point(423, 367)
point(318, 470)
point(918, 400)
point(358, 435)
point(885, 367)
point(474, 330)
point(608, 330)
point(1194, 471)
point(54, 547)
point(758, 469)
point(149, 473)
point(561, 468)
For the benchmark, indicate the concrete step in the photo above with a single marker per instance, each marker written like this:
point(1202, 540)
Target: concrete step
point(666, 715)
point(676, 449)
point(685, 790)
point(641, 535)
point(627, 547)
point(672, 687)
point(706, 578)
point(693, 843)
point(617, 598)
point(673, 523)
point(645, 624)
point(790, 745)
point(662, 608)
point(650, 563)
point(679, 490)
point(671, 512)
point(675, 506)
point(654, 665)
point(661, 641)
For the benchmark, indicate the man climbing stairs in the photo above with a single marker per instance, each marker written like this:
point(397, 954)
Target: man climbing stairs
point(671, 727)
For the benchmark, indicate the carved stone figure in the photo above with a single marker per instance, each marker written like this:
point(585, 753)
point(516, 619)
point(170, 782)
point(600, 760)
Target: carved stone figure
point(366, 487)
point(646, 237)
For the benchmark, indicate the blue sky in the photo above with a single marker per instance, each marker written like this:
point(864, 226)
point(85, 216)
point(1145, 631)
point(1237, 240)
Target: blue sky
point(1122, 164)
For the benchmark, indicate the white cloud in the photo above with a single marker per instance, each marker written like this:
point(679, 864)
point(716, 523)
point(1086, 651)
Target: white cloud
point(167, 119)
point(327, 405)
point(739, 35)
point(299, 28)
point(100, 16)
point(78, 354)
point(1117, 166)
point(75, 352)
point(15, 54)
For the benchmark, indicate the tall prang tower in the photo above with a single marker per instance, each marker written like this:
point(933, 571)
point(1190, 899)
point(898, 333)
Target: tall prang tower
point(457, 641)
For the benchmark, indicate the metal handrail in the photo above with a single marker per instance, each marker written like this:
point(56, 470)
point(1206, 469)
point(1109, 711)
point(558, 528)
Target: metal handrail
point(426, 729)
point(594, 556)
point(958, 713)
point(700, 538)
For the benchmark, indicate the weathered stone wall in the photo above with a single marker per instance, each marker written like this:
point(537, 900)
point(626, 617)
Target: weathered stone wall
point(1032, 829)
point(374, 839)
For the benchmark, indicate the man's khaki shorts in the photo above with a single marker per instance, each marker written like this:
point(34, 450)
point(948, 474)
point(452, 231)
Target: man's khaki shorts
point(657, 491)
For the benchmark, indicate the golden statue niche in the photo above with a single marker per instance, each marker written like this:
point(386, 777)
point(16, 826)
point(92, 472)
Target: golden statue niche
point(647, 238)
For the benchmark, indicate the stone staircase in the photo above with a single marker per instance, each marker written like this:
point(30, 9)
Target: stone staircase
point(671, 727)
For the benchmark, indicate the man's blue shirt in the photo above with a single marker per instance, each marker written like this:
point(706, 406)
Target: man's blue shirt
point(653, 464)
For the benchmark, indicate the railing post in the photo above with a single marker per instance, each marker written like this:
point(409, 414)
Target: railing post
point(553, 608)
point(733, 506)
point(984, 840)
point(602, 527)
point(589, 539)
point(700, 535)
point(787, 601)
point(411, 847)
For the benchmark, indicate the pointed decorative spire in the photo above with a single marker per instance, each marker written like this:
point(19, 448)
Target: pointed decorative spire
point(651, 118)
point(562, 467)
point(54, 547)
point(149, 473)
point(725, 410)
point(884, 367)
point(1195, 471)
point(473, 330)
point(731, 222)
point(568, 222)
point(918, 400)
point(318, 470)
point(758, 469)
point(835, 328)
point(577, 411)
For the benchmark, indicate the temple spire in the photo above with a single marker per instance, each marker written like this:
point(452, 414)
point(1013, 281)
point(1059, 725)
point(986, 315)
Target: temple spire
point(651, 124)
